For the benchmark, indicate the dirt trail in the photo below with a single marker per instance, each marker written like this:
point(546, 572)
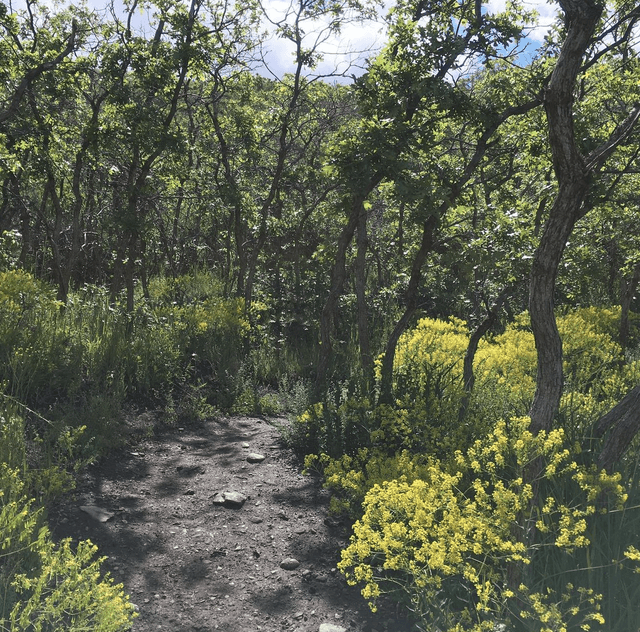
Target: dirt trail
point(193, 564)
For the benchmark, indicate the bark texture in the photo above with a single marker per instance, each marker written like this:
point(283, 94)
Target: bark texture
point(338, 275)
point(622, 423)
point(572, 174)
point(366, 358)
point(411, 304)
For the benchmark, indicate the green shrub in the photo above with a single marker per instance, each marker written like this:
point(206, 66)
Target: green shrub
point(46, 587)
point(332, 428)
point(49, 587)
point(35, 353)
point(46, 463)
point(470, 542)
point(91, 347)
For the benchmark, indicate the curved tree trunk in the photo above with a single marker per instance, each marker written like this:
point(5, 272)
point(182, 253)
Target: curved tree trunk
point(468, 376)
point(622, 423)
point(549, 380)
point(386, 379)
point(581, 17)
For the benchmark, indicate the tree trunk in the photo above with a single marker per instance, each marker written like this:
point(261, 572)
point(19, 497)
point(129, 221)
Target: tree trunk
point(328, 316)
point(411, 304)
point(129, 271)
point(118, 271)
point(468, 376)
point(622, 423)
point(581, 17)
point(366, 359)
point(549, 380)
point(627, 290)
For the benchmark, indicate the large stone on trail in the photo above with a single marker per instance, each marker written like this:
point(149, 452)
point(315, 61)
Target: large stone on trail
point(254, 457)
point(290, 564)
point(330, 627)
point(235, 500)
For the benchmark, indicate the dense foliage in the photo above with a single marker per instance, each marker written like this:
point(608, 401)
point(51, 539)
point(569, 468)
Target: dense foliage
point(432, 269)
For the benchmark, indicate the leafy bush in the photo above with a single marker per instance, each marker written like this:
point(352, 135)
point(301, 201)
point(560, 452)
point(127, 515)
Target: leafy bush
point(35, 354)
point(46, 587)
point(476, 540)
point(92, 355)
point(455, 544)
point(428, 386)
point(333, 428)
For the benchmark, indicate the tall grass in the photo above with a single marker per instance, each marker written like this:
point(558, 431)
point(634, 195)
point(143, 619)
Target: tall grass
point(83, 361)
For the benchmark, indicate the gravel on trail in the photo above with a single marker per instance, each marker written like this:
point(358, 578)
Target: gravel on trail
point(212, 526)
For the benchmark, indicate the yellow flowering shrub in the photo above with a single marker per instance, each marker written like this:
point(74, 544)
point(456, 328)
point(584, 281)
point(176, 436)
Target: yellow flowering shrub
point(595, 376)
point(448, 537)
point(471, 532)
point(505, 368)
point(428, 365)
point(48, 586)
point(44, 585)
point(428, 388)
point(350, 477)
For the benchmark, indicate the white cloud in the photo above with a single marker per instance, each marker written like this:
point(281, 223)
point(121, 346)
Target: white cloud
point(546, 16)
point(343, 52)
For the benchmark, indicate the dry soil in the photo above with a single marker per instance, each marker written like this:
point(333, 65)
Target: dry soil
point(192, 563)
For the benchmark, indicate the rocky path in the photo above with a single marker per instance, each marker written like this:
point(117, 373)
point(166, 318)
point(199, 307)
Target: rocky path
point(213, 527)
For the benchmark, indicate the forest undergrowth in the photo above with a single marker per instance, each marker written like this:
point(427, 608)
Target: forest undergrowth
point(431, 268)
point(462, 515)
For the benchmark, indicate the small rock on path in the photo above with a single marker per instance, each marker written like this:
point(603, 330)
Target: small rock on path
point(290, 564)
point(330, 627)
point(97, 513)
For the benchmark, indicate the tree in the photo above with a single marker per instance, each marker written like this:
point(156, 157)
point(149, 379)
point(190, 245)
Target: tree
point(38, 52)
point(28, 54)
point(574, 170)
point(413, 97)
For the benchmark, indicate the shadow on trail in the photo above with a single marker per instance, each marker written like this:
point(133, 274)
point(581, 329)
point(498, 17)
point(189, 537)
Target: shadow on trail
point(192, 565)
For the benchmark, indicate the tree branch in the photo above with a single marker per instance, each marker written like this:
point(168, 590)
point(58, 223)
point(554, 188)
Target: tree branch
point(623, 422)
point(597, 158)
point(34, 73)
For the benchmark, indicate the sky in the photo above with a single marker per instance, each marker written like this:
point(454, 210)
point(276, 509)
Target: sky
point(347, 51)
point(369, 36)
